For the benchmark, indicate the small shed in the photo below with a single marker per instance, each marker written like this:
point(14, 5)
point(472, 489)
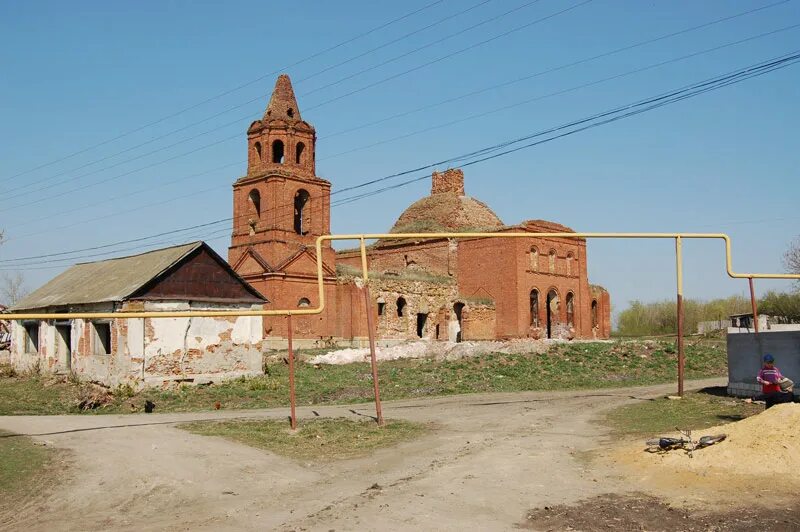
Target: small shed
point(143, 351)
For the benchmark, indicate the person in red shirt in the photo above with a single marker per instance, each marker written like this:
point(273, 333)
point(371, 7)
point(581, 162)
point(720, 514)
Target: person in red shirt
point(770, 378)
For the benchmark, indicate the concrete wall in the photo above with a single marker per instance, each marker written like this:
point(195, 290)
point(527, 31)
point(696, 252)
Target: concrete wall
point(745, 352)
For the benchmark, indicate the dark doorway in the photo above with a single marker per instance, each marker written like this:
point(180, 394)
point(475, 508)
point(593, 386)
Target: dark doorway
point(64, 344)
point(421, 320)
point(458, 308)
point(552, 311)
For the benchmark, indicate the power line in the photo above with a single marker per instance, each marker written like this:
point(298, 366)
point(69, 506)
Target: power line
point(693, 28)
point(618, 50)
point(558, 68)
point(560, 92)
point(249, 115)
point(448, 56)
point(619, 113)
point(491, 39)
point(235, 89)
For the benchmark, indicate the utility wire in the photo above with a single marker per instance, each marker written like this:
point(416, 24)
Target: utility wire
point(238, 106)
point(235, 89)
point(622, 112)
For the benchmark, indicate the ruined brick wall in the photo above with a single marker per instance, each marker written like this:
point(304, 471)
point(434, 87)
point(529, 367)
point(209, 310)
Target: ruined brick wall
point(479, 322)
point(451, 180)
point(602, 315)
point(507, 271)
point(433, 256)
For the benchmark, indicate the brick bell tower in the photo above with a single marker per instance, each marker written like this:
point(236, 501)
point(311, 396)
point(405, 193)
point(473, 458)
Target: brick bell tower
point(280, 207)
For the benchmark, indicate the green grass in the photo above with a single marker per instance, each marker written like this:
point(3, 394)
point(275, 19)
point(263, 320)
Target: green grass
point(564, 366)
point(21, 464)
point(695, 411)
point(317, 439)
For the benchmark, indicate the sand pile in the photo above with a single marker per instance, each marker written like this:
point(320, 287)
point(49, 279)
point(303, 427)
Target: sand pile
point(767, 444)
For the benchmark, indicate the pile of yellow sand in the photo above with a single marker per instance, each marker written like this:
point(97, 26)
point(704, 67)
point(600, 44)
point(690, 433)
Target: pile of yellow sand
point(766, 444)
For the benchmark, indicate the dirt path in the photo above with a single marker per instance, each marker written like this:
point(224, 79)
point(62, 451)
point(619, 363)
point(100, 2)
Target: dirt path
point(492, 458)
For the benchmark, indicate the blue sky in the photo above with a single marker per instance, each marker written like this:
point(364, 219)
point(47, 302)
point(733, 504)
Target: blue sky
point(75, 75)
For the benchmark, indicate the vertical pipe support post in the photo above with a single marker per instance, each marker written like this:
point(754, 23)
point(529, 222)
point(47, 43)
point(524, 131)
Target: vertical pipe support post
point(371, 333)
point(754, 304)
point(681, 355)
point(292, 397)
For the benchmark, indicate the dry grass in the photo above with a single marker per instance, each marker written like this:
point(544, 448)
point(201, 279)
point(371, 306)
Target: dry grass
point(318, 440)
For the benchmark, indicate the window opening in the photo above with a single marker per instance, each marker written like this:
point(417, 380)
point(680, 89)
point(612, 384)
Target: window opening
point(381, 308)
point(277, 152)
point(290, 112)
point(594, 313)
point(300, 223)
point(255, 202)
point(257, 146)
point(298, 155)
point(32, 337)
point(421, 320)
point(552, 311)
point(458, 308)
point(102, 338)
point(534, 302)
point(64, 343)
point(534, 259)
point(570, 309)
point(401, 305)
point(304, 302)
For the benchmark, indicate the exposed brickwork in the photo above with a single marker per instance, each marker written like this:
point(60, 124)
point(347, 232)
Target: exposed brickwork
point(452, 289)
point(451, 180)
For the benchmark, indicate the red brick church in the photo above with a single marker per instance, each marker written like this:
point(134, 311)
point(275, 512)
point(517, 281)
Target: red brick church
point(439, 289)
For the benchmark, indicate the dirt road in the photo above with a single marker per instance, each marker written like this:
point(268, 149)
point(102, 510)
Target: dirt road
point(490, 459)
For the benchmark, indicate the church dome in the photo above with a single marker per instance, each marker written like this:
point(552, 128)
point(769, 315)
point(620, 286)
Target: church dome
point(447, 209)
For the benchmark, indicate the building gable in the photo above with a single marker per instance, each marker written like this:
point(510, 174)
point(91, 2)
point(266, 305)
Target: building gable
point(200, 276)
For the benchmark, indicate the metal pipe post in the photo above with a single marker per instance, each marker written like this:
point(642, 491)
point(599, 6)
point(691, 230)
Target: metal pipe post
point(679, 268)
point(754, 304)
point(292, 398)
point(371, 333)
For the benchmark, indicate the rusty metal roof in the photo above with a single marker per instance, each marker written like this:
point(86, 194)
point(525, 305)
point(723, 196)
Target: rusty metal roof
point(110, 280)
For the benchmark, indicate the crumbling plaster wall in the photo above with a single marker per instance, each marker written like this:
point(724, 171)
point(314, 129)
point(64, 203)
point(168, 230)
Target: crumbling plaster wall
point(150, 351)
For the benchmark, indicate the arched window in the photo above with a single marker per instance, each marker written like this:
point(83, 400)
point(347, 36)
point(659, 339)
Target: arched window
point(257, 146)
point(401, 306)
point(570, 309)
point(534, 259)
point(255, 202)
point(300, 219)
point(304, 302)
point(277, 152)
point(570, 258)
point(552, 259)
point(534, 308)
point(594, 313)
point(298, 152)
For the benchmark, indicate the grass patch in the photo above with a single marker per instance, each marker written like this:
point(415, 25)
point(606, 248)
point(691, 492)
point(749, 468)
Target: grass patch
point(696, 411)
point(21, 465)
point(317, 439)
point(567, 366)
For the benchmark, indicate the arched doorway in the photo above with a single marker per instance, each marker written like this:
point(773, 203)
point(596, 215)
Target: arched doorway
point(458, 308)
point(552, 311)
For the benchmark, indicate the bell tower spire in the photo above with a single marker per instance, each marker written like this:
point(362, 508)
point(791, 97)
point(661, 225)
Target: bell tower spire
point(281, 139)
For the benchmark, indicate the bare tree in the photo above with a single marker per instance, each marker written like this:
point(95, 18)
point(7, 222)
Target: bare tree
point(12, 288)
point(791, 259)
